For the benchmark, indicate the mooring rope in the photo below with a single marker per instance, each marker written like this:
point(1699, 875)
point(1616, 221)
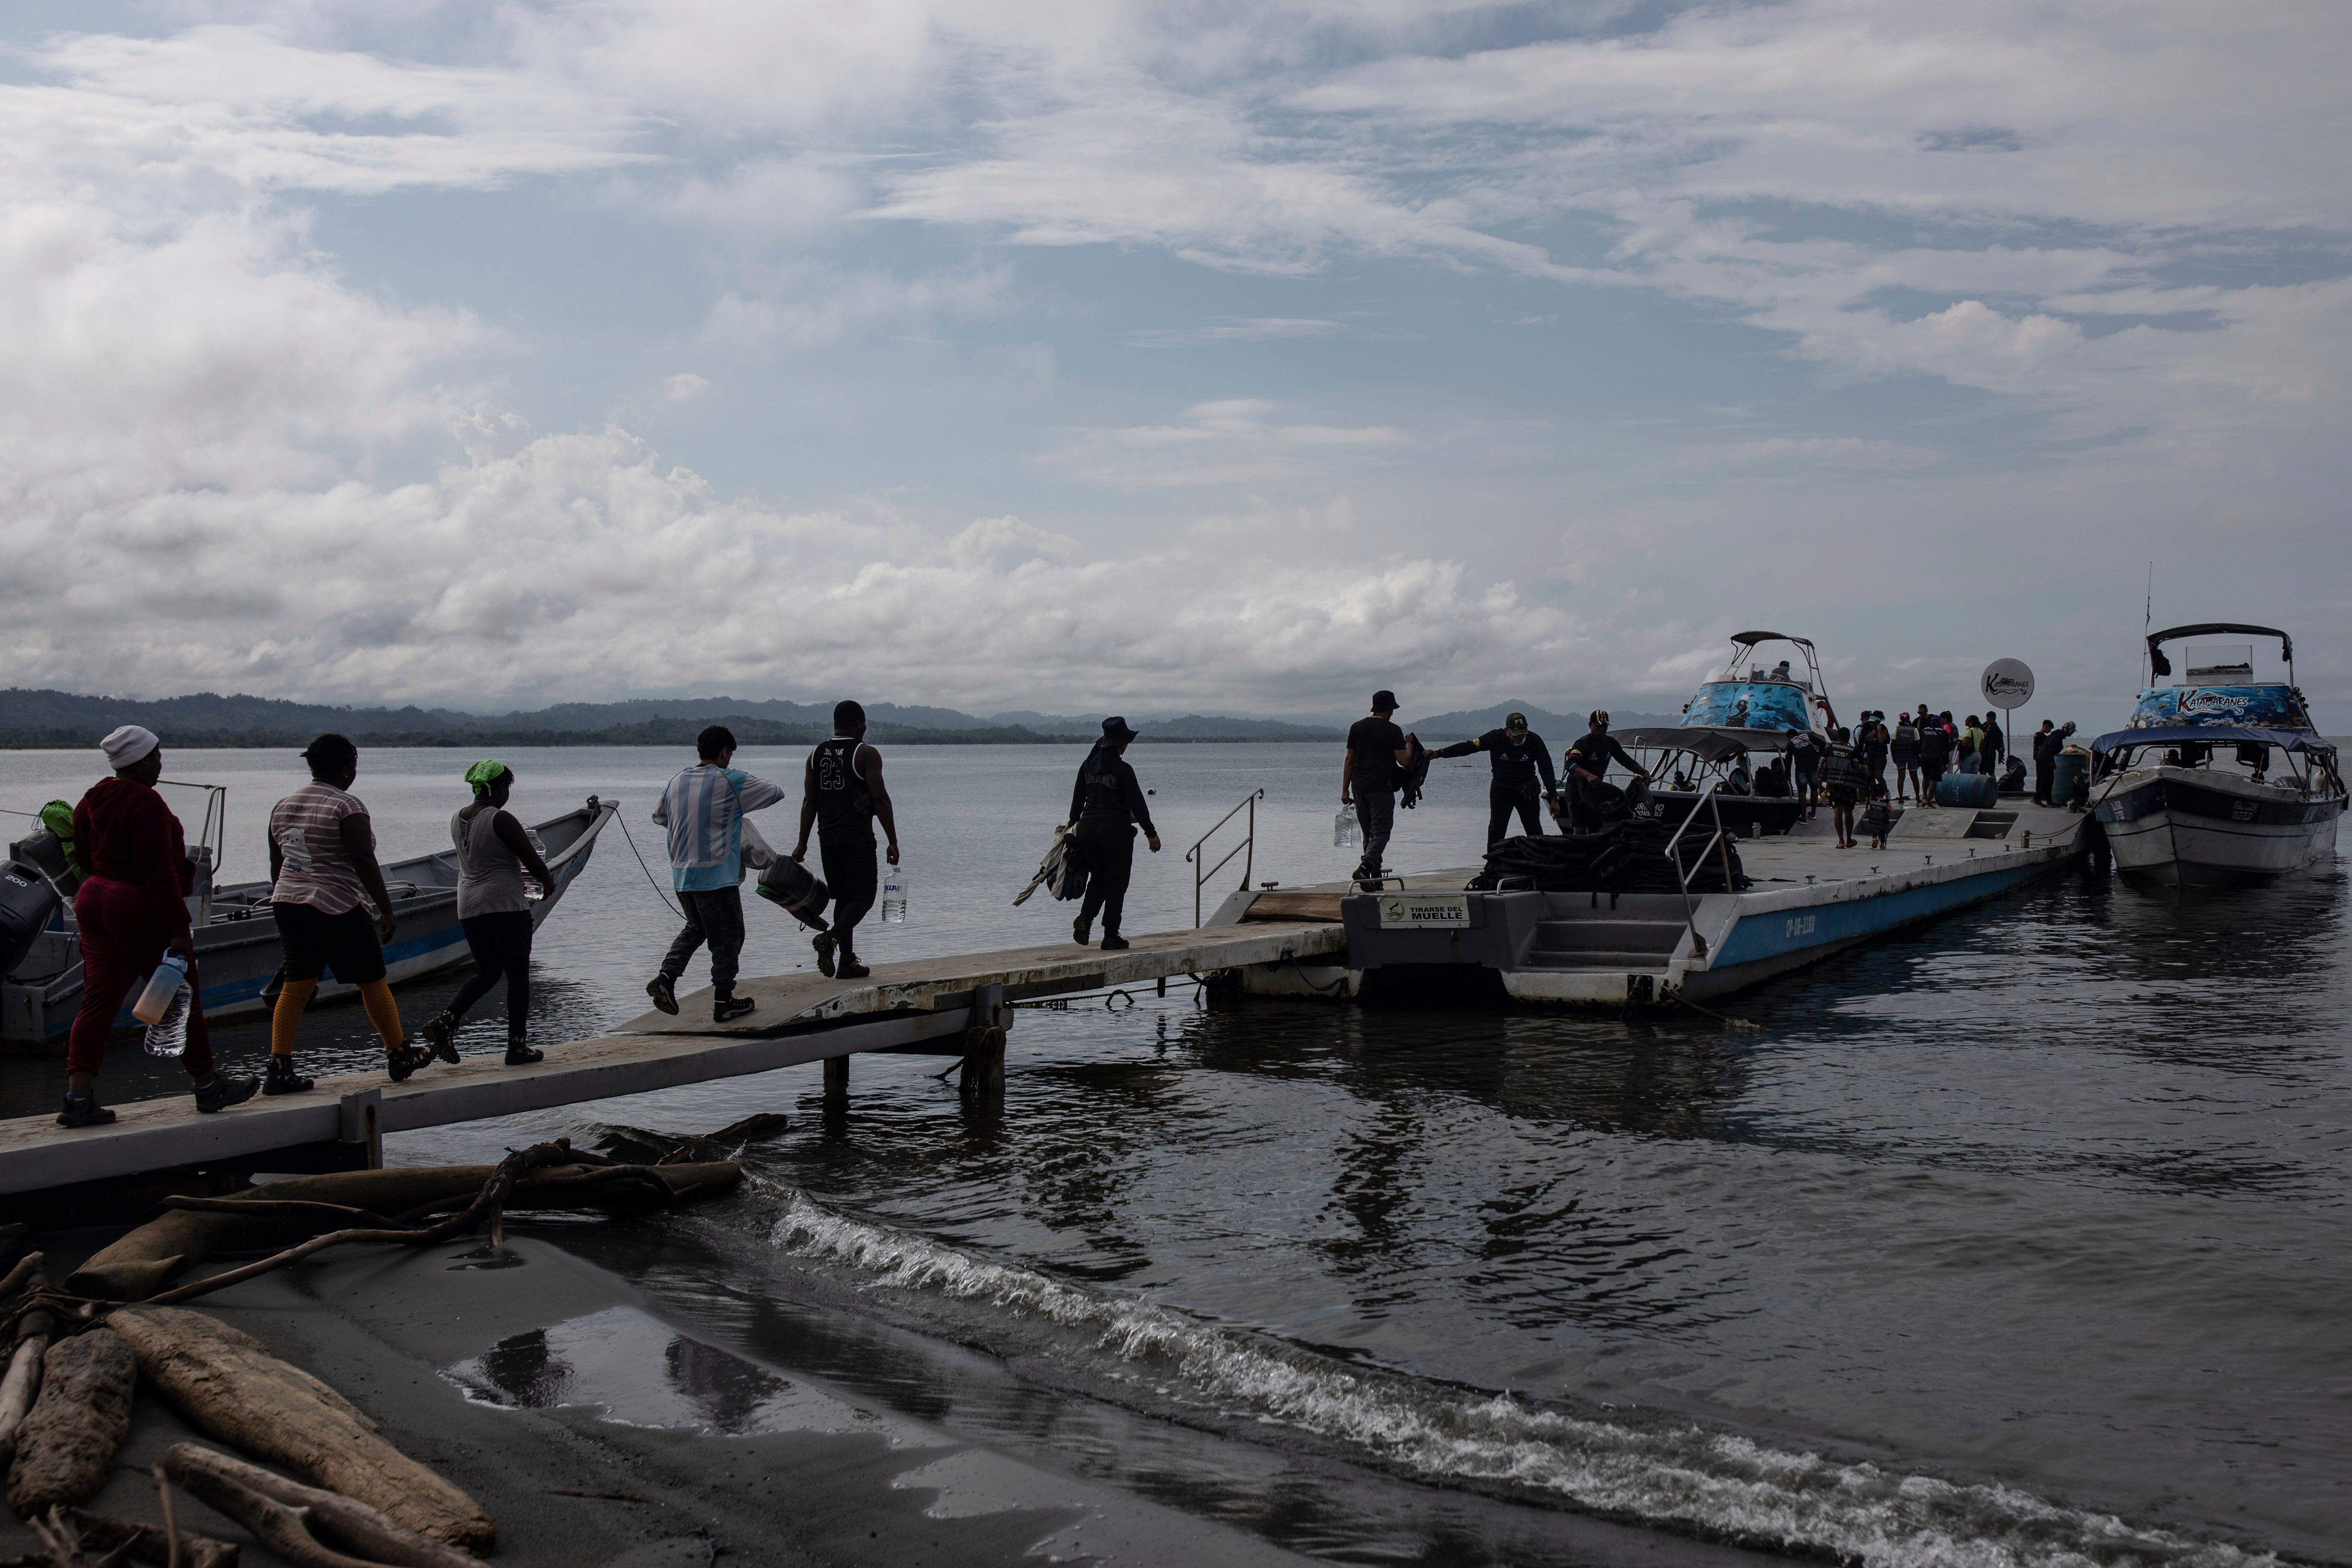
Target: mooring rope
point(648, 870)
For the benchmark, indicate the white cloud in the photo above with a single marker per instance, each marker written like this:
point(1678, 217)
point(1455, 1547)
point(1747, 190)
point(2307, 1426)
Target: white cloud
point(1230, 441)
point(1237, 329)
point(590, 569)
point(685, 386)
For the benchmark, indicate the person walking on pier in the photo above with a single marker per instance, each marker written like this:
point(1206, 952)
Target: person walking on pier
point(1518, 756)
point(1991, 745)
point(1378, 754)
point(1106, 804)
point(323, 876)
point(131, 910)
point(495, 851)
point(1587, 767)
point(842, 797)
point(703, 808)
point(1873, 738)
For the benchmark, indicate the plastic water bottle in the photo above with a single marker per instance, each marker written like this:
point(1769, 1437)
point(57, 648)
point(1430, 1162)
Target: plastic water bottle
point(1344, 831)
point(893, 895)
point(163, 1007)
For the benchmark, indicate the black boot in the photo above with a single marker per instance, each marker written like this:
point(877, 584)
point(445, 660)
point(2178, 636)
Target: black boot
point(84, 1110)
point(824, 943)
point(405, 1059)
point(1113, 942)
point(223, 1091)
point(1081, 931)
point(441, 1038)
point(281, 1078)
point(663, 993)
point(521, 1056)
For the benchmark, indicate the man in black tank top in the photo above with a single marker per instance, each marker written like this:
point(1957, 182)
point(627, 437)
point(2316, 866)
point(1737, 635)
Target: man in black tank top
point(842, 798)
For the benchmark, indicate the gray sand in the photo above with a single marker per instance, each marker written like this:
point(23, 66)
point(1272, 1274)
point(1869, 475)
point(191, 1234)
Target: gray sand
point(824, 1478)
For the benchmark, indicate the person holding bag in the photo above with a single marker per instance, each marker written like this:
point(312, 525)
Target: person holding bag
point(703, 808)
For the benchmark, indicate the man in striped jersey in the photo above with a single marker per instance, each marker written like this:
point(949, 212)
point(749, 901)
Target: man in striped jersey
point(703, 808)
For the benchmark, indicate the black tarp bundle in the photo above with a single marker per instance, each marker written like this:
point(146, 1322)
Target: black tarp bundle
point(1626, 857)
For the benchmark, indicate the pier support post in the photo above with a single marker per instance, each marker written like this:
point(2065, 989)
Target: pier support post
point(362, 1124)
point(836, 1082)
point(984, 1045)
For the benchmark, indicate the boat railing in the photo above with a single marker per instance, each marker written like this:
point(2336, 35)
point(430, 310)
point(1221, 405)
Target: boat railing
point(1707, 799)
point(1246, 848)
point(211, 851)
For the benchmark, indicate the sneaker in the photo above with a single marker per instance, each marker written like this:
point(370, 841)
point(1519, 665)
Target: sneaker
point(282, 1078)
point(521, 1056)
point(663, 993)
point(853, 970)
point(726, 1009)
point(441, 1038)
point(824, 943)
point(84, 1110)
point(406, 1060)
point(1079, 932)
point(224, 1091)
point(1113, 942)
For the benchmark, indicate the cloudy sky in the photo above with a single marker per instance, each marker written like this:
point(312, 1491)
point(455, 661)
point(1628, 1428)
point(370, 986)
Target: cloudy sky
point(1238, 356)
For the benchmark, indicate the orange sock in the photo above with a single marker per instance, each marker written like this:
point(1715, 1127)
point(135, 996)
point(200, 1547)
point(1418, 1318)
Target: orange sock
point(286, 1019)
point(383, 1013)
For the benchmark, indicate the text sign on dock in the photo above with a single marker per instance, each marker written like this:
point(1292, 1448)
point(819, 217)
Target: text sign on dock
point(1424, 909)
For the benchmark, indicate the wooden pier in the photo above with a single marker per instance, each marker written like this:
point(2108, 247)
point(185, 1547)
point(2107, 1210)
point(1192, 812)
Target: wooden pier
point(934, 1007)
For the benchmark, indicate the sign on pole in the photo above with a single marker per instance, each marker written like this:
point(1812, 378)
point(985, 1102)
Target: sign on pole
point(2007, 683)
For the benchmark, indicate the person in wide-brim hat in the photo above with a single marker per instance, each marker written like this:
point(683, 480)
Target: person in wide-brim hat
point(1106, 806)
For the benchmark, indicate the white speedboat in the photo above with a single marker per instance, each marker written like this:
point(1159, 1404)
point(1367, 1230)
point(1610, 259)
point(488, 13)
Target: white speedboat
point(1749, 708)
point(2217, 778)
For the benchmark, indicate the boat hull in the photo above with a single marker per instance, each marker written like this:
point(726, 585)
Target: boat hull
point(237, 950)
point(2196, 828)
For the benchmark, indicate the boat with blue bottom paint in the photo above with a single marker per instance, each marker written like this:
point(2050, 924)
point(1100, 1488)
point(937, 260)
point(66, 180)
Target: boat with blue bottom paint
point(2218, 779)
point(236, 936)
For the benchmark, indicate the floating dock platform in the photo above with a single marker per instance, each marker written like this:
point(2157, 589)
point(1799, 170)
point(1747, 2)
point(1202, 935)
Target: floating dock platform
point(1808, 900)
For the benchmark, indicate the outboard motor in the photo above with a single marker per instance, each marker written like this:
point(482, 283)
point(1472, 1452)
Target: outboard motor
point(27, 899)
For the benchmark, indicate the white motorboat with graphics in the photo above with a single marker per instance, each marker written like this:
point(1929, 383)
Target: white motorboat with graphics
point(2217, 778)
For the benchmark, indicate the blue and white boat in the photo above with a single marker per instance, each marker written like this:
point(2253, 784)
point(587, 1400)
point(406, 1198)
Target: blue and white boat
point(237, 937)
point(1751, 708)
point(2217, 778)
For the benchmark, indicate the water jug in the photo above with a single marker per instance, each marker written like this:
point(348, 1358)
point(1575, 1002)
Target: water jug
point(170, 977)
point(893, 895)
point(1344, 831)
point(163, 1007)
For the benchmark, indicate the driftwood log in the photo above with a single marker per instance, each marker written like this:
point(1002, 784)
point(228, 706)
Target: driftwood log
point(137, 1265)
point(66, 1448)
point(76, 1538)
point(297, 1521)
point(23, 1381)
point(226, 1383)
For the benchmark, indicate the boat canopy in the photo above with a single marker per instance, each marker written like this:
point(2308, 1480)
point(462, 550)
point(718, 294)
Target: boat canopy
point(2160, 664)
point(1749, 639)
point(1707, 742)
point(2303, 740)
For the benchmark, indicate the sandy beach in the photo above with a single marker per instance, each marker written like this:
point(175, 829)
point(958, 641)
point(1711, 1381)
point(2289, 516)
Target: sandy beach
point(807, 1476)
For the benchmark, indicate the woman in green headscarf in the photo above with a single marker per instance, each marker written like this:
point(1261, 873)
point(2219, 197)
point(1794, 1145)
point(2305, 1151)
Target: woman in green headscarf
point(494, 852)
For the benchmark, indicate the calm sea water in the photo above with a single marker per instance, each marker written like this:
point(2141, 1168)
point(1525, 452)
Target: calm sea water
point(2021, 1238)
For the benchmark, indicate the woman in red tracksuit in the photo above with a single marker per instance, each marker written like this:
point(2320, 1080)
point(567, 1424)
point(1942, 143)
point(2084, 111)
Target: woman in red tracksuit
point(134, 856)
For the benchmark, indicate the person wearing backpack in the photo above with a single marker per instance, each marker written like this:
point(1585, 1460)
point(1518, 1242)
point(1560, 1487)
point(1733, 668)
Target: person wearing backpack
point(703, 809)
point(843, 797)
point(1935, 754)
point(1904, 747)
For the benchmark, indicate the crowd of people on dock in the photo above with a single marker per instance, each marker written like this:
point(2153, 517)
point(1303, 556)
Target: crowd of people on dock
point(333, 912)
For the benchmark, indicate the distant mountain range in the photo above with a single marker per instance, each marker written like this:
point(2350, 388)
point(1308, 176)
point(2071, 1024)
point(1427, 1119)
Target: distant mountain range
point(62, 718)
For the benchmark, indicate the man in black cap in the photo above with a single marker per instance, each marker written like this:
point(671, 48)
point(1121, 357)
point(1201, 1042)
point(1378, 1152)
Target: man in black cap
point(1518, 756)
point(1378, 754)
point(1106, 804)
point(1586, 765)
